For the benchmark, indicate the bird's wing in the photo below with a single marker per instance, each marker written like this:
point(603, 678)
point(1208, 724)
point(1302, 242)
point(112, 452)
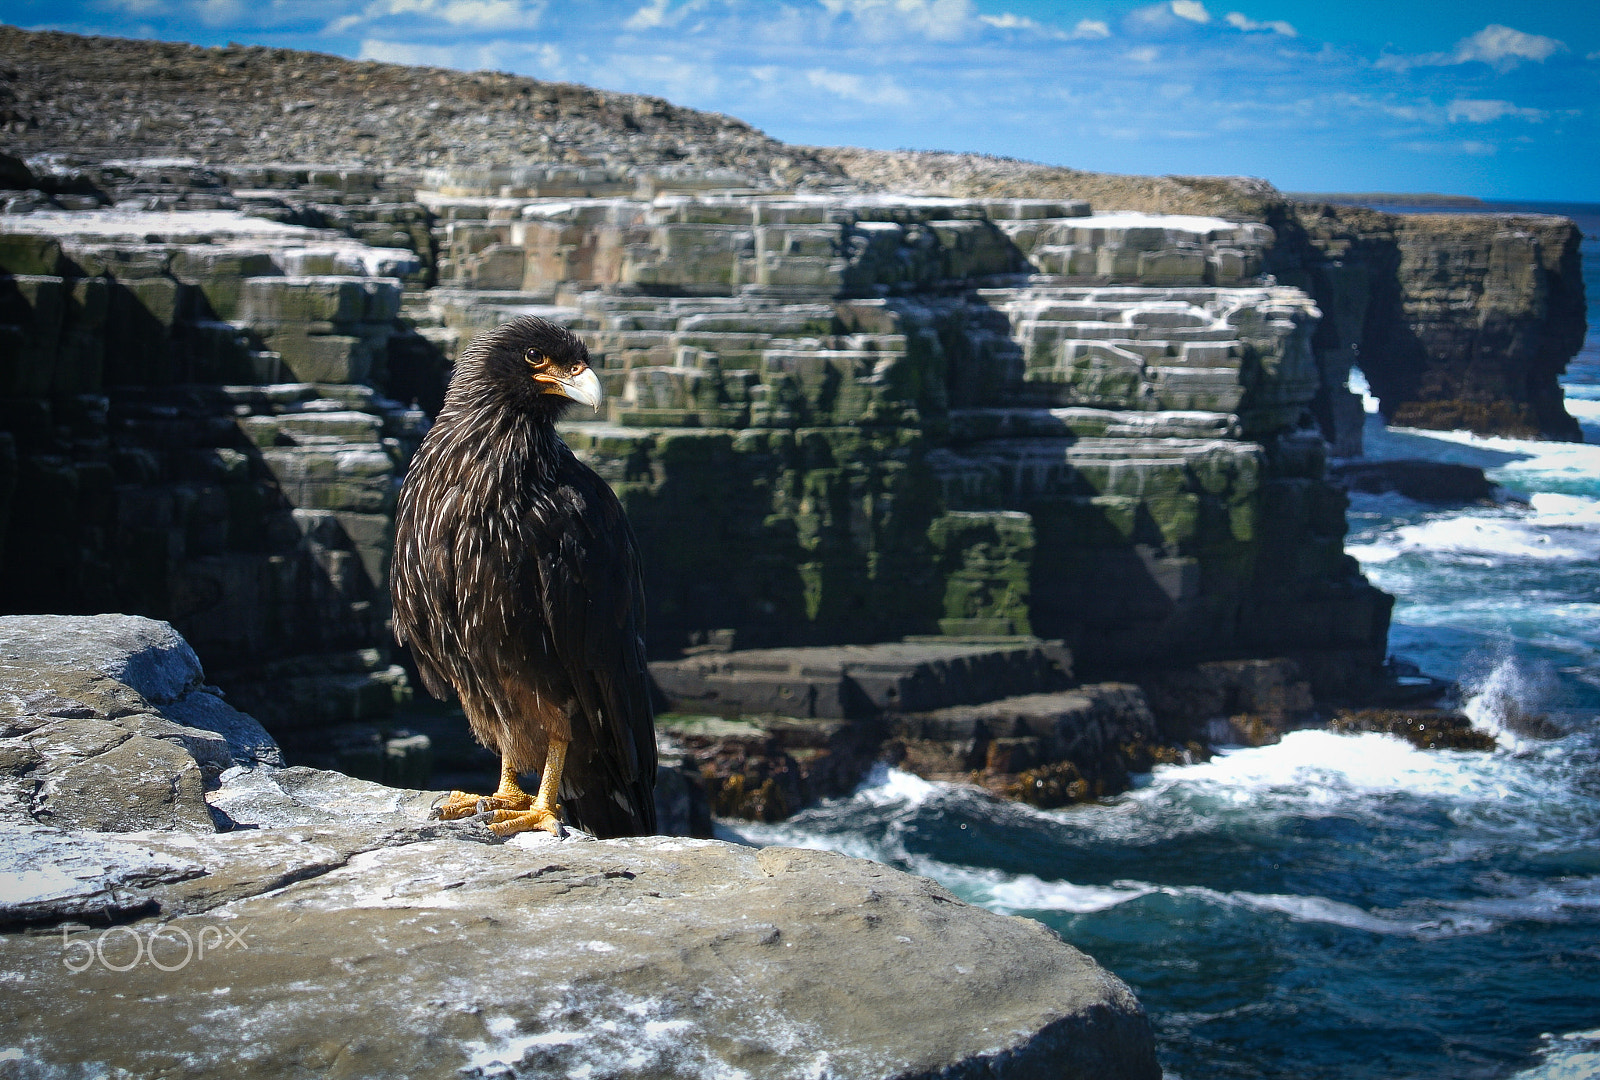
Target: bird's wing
point(422, 579)
point(591, 593)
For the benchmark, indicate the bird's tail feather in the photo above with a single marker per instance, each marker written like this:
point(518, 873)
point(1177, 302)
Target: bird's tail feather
point(626, 810)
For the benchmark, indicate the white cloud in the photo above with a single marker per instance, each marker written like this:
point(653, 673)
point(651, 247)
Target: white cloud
point(1170, 17)
point(659, 13)
point(548, 62)
point(937, 20)
point(1471, 147)
point(232, 14)
point(1009, 21)
point(219, 12)
point(878, 91)
point(1086, 29)
point(540, 60)
point(1016, 23)
point(1476, 111)
point(472, 15)
point(651, 15)
point(1145, 54)
point(1501, 47)
point(1240, 21)
point(403, 52)
point(1416, 114)
point(695, 81)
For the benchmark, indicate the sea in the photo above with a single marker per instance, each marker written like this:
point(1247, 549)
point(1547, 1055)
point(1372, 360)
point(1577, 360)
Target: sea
point(1348, 906)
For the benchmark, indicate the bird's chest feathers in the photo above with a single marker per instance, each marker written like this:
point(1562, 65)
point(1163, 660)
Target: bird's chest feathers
point(516, 502)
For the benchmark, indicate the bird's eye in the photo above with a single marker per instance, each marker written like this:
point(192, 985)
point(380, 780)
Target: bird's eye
point(537, 360)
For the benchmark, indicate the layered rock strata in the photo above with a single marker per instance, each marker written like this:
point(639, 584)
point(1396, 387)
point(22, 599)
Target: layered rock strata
point(874, 416)
point(1482, 330)
point(147, 944)
point(773, 730)
point(193, 432)
point(1455, 320)
point(977, 405)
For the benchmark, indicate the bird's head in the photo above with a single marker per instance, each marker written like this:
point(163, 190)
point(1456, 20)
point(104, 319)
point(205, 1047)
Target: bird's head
point(538, 365)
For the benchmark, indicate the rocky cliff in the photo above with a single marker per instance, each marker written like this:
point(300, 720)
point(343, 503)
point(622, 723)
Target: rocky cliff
point(173, 901)
point(1456, 320)
point(852, 397)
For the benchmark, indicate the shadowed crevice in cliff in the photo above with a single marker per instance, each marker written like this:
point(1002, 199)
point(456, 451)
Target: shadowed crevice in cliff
point(167, 469)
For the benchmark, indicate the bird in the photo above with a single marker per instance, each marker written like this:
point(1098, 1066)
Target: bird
point(516, 584)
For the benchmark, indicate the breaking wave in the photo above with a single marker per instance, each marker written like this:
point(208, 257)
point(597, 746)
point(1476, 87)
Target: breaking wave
point(1554, 528)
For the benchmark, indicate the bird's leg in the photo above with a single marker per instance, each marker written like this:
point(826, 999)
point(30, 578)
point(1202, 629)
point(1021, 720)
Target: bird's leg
point(543, 813)
point(508, 796)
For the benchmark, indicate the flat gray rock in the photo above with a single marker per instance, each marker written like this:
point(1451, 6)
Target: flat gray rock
point(47, 875)
point(335, 930)
point(147, 655)
point(644, 957)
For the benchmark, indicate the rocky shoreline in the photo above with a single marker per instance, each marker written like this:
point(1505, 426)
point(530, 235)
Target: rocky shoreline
point(173, 900)
point(897, 401)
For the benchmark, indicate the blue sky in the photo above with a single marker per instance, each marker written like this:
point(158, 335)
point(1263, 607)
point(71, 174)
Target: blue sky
point(1483, 97)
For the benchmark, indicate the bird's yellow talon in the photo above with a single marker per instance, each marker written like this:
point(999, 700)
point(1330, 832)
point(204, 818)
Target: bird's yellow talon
point(464, 804)
point(511, 822)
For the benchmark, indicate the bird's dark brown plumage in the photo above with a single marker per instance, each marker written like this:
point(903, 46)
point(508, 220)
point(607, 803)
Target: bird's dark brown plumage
point(516, 581)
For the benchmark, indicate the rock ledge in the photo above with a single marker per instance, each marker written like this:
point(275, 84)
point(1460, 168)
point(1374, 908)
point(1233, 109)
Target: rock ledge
point(336, 931)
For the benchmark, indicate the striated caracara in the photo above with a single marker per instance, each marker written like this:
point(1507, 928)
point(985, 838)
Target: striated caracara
point(516, 584)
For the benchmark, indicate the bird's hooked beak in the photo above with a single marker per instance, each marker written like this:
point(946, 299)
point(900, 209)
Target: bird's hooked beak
point(584, 387)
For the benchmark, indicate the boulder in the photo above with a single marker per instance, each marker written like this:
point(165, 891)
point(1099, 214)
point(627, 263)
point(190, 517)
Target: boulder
point(148, 657)
point(1425, 481)
point(106, 724)
point(1427, 729)
point(338, 931)
point(1046, 749)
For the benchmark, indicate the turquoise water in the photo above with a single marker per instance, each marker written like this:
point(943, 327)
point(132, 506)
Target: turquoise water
point(1348, 906)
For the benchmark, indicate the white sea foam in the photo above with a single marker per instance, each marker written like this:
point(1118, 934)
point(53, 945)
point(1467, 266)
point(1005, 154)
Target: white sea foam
point(1555, 528)
point(1502, 691)
point(884, 786)
point(1573, 1056)
point(1308, 773)
point(1011, 893)
point(1357, 384)
point(1320, 909)
point(1319, 767)
point(1522, 900)
point(1584, 410)
point(1527, 463)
